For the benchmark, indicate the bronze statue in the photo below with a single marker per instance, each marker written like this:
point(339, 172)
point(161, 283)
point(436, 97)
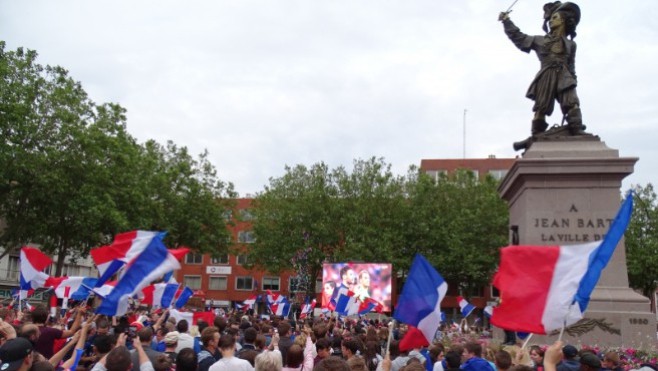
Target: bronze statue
point(556, 80)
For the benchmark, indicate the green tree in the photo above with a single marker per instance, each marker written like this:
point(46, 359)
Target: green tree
point(641, 240)
point(458, 223)
point(73, 177)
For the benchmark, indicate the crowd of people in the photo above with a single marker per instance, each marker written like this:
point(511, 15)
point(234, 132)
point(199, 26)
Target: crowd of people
point(156, 341)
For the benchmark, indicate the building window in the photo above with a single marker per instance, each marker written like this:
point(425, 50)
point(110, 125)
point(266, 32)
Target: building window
point(244, 283)
point(193, 258)
point(271, 283)
point(193, 282)
point(437, 174)
point(495, 293)
point(293, 284)
point(246, 237)
point(217, 283)
point(243, 259)
point(222, 259)
point(14, 268)
point(246, 215)
point(498, 174)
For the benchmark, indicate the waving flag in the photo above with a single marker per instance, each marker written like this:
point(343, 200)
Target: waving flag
point(281, 308)
point(126, 246)
point(347, 303)
point(192, 317)
point(33, 262)
point(159, 294)
point(273, 298)
point(465, 307)
point(79, 287)
point(247, 304)
point(307, 308)
point(488, 311)
point(184, 297)
point(413, 339)
point(154, 261)
point(369, 305)
point(545, 287)
point(419, 305)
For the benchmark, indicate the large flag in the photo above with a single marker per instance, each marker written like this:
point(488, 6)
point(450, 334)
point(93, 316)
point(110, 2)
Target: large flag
point(465, 307)
point(33, 262)
point(154, 261)
point(126, 246)
point(192, 318)
point(419, 305)
point(546, 287)
point(247, 304)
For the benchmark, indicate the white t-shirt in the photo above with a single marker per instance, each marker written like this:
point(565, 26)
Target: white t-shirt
point(231, 364)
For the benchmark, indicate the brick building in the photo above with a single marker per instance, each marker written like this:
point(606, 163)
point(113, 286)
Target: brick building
point(224, 280)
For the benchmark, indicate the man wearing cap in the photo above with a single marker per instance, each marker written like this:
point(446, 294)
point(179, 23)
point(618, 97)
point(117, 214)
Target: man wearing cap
point(171, 342)
point(590, 362)
point(569, 359)
point(16, 354)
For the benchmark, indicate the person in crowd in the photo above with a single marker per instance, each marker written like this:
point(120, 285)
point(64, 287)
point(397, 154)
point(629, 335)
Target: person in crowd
point(285, 342)
point(186, 360)
point(453, 360)
point(332, 364)
point(611, 361)
point(502, 360)
point(349, 348)
point(472, 358)
point(144, 336)
point(323, 349)
point(48, 335)
point(16, 355)
point(268, 361)
point(569, 359)
point(210, 352)
point(589, 362)
point(229, 362)
point(297, 358)
point(171, 343)
point(185, 340)
point(537, 357)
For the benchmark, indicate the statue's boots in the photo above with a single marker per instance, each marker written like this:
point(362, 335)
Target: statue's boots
point(575, 122)
point(539, 126)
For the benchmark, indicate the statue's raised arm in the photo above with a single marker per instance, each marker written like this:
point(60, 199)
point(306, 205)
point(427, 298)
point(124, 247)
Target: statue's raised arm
point(556, 79)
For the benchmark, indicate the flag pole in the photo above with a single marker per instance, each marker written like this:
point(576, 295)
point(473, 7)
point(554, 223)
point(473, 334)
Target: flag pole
point(525, 343)
point(390, 336)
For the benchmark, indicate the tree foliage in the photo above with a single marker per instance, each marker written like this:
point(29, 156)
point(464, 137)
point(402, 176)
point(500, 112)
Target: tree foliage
point(641, 240)
point(72, 176)
point(369, 214)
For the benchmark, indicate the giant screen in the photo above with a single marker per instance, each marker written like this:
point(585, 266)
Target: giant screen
point(371, 280)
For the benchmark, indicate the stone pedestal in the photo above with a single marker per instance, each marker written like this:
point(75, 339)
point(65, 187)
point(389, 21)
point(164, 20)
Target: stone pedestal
point(567, 192)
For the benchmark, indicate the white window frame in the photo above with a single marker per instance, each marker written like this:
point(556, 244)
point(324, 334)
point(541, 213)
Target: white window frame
point(278, 279)
point(210, 279)
point(186, 283)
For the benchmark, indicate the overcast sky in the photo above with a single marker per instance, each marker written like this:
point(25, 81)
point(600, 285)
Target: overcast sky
point(264, 84)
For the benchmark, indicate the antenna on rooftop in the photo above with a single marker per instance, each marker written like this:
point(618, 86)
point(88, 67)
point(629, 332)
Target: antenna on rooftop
point(464, 141)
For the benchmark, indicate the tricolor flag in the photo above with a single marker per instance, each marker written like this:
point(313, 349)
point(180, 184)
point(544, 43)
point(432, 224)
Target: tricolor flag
point(33, 262)
point(273, 298)
point(488, 311)
point(544, 288)
point(126, 247)
point(159, 294)
point(465, 307)
point(347, 303)
point(79, 287)
point(192, 318)
point(247, 304)
point(154, 261)
point(419, 305)
point(184, 297)
point(307, 308)
point(369, 305)
point(281, 308)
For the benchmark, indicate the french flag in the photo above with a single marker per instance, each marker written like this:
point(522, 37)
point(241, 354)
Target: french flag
point(79, 287)
point(307, 308)
point(248, 304)
point(126, 246)
point(419, 305)
point(33, 262)
point(465, 307)
point(544, 288)
point(347, 303)
point(184, 297)
point(274, 298)
point(281, 308)
point(369, 305)
point(192, 318)
point(159, 294)
point(488, 311)
point(154, 261)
